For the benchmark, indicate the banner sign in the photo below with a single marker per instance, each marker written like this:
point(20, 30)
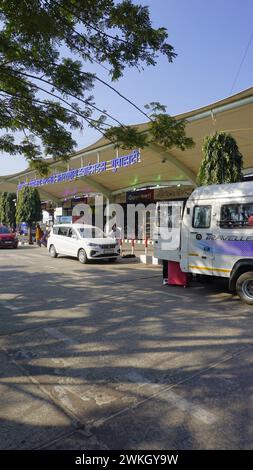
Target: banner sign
point(91, 169)
point(135, 197)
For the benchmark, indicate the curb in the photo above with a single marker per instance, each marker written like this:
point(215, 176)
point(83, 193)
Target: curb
point(148, 259)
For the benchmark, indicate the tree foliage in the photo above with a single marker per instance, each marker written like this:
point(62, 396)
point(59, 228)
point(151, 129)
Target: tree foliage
point(222, 161)
point(46, 47)
point(8, 209)
point(163, 129)
point(28, 206)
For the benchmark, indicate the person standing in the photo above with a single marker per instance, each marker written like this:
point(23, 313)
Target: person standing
point(115, 233)
point(38, 234)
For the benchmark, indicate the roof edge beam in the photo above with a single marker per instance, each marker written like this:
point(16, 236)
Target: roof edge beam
point(220, 109)
point(154, 185)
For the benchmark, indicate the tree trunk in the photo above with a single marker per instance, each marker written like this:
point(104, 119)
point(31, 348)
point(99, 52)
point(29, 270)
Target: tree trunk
point(30, 235)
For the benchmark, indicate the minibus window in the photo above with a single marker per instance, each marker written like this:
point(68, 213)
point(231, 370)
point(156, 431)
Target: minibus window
point(164, 216)
point(202, 216)
point(236, 215)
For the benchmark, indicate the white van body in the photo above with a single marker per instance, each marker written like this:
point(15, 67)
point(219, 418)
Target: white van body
point(81, 241)
point(216, 234)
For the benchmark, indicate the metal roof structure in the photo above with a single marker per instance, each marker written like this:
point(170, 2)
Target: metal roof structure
point(158, 166)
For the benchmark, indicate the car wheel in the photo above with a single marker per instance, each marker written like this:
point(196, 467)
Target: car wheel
point(82, 256)
point(244, 287)
point(15, 246)
point(52, 252)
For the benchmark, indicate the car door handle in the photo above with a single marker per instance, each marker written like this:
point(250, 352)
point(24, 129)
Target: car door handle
point(203, 257)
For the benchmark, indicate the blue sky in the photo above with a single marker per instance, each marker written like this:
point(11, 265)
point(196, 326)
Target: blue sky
point(210, 38)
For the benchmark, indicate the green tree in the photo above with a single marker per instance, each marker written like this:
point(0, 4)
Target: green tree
point(222, 161)
point(8, 208)
point(3, 198)
point(28, 208)
point(163, 129)
point(46, 47)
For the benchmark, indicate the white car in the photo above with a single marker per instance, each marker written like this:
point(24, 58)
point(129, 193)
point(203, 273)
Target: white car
point(81, 241)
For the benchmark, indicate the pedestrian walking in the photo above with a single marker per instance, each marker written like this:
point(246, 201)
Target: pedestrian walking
point(43, 240)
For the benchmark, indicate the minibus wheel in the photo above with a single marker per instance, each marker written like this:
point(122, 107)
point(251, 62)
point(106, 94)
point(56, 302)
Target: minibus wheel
point(244, 287)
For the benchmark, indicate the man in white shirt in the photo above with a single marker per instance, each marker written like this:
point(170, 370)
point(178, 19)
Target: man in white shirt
point(115, 233)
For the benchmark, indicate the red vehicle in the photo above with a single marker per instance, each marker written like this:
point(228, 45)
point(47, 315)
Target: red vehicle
point(7, 238)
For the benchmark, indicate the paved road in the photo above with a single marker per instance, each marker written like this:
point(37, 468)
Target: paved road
point(102, 356)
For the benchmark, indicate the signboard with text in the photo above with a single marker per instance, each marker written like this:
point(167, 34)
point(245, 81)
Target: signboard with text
point(92, 169)
point(135, 197)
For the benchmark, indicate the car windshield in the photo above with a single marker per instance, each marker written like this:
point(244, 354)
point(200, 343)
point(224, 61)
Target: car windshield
point(4, 230)
point(91, 232)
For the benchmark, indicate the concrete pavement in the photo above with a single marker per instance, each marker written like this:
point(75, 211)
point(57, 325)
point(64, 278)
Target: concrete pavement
point(101, 356)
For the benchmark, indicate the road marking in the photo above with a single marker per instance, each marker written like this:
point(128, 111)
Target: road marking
point(196, 411)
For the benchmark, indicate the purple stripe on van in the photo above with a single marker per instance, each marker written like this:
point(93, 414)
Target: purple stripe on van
point(228, 247)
